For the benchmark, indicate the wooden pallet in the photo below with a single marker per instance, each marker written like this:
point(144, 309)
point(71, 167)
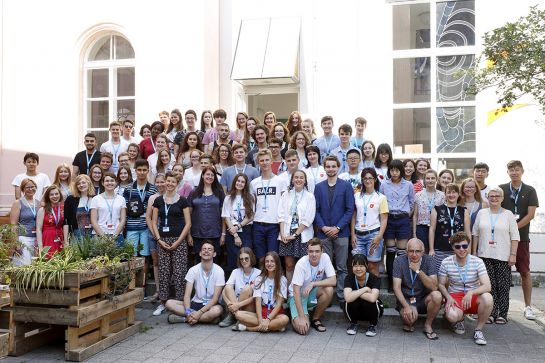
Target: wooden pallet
point(5, 319)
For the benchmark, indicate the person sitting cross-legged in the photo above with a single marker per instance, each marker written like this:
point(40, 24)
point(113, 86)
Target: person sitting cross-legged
point(415, 288)
point(468, 287)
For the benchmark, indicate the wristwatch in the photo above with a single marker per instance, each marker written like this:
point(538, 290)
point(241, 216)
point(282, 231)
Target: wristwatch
point(339, 228)
point(417, 272)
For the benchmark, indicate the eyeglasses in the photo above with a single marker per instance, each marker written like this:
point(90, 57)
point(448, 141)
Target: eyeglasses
point(463, 247)
point(368, 179)
point(493, 196)
point(30, 187)
point(244, 259)
point(414, 251)
point(128, 126)
point(352, 159)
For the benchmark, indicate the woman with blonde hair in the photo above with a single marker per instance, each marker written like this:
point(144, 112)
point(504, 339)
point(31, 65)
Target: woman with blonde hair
point(23, 213)
point(63, 178)
point(240, 130)
point(307, 126)
point(77, 214)
point(472, 199)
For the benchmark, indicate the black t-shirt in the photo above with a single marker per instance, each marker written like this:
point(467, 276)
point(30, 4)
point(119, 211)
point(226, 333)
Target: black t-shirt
point(176, 221)
point(373, 282)
point(527, 197)
point(80, 160)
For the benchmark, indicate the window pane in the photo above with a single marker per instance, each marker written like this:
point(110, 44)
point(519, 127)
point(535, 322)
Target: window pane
point(412, 80)
point(452, 81)
point(411, 26)
point(98, 83)
point(102, 136)
point(455, 23)
point(412, 131)
point(125, 110)
point(455, 129)
point(123, 48)
point(125, 82)
point(97, 114)
point(101, 50)
point(462, 167)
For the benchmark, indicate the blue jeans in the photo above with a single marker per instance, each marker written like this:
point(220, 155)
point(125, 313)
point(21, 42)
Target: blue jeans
point(265, 238)
point(363, 245)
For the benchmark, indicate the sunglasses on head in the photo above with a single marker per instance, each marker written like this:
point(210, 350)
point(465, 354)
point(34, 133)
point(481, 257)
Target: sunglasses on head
point(463, 247)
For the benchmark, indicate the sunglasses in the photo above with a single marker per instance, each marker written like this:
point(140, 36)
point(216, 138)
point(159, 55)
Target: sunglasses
point(128, 126)
point(463, 247)
point(244, 259)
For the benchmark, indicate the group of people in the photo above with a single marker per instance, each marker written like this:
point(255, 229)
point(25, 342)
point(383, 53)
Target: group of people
point(268, 198)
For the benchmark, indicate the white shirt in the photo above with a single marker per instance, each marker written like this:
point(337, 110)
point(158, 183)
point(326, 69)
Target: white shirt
point(231, 208)
point(304, 273)
point(305, 205)
point(376, 204)
point(204, 291)
point(108, 223)
point(315, 176)
point(42, 182)
point(268, 285)
point(115, 150)
point(267, 194)
point(239, 280)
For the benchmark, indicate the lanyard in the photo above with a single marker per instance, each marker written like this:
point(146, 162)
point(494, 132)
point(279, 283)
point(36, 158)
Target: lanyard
point(463, 276)
point(413, 280)
point(313, 272)
point(89, 159)
point(110, 209)
point(65, 189)
point(357, 283)
point(247, 281)
point(252, 145)
point(243, 169)
point(431, 202)
point(115, 151)
point(315, 171)
point(269, 300)
point(296, 201)
point(57, 217)
point(266, 192)
point(452, 219)
point(153, 146)
point(239, 209)
point(141, 193)
point(368, 163)
point(366, 206)
point(32, 208)
point(328, 144)
point(167, 208)
point(472, 208)
point(206, 280)
point(493, 222)
point(515, 196)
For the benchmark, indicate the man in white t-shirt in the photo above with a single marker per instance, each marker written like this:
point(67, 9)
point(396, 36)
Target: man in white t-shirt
point(208, 280)
point(480, 173)
point(116, 145)
point(292, 162)
point(312, 285)
point(266, 190)
point(31, 161)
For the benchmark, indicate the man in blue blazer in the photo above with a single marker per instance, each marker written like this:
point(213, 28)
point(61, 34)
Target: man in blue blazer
point(334, 209)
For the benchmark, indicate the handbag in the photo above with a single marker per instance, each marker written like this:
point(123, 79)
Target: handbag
point(135, 208)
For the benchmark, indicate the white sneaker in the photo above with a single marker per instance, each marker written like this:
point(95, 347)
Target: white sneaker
point(529, 313)
point(478, 337)
point(459, 328)
point(159, 310)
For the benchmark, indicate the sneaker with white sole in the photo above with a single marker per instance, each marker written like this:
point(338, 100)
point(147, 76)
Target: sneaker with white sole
point(371, 331)
point(227, 321)
point(478, 337)
point(352, 329)
point(459, 328)
point(159, 310)
point(529, 313)
point(174, 319)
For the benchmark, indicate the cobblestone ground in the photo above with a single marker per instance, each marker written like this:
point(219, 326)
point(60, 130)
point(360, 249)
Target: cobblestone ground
point(518, 341)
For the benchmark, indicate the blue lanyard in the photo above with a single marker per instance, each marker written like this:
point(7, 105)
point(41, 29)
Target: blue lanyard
point(413, 280)
point(206, 281)
point(368, 163)
point(472, 208)
point(357, 284)
point(238, 208)
point(463, 276)
point(266, 192)
point(452, 219)
point(56, 218)
point(243, 169)
point(142, 193)
point(515, 193)
point(110, 208)
point(431, 203)
point(31, 207)
point(86, 207)
point(269, 301)
point(313, 272)
point(366, 206)
point(296, 201)
point(115, 151)
point(247, 281)
point(494, 221)
point(167, 208)
point(89, 159)
point(328, 144)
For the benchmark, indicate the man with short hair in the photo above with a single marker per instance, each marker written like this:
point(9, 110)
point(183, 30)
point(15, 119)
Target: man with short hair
point(190, 119)
point(328, 142)
point(128, 127)
point(278, 164)
point(357, 141)
point(115, 145)
point(341, 151)
point(415, 288)
point(239, 155)
point(212, 135)
point(480, 173)
point(31, 161)
point(85, 159)
point(267, 191)
point(261, 140)
point(204, 160)
point(334, 209)
point(106, 161)
point(352, 175)
point(521, 199)
point(312, 286)
point(223, 137)
point(468, 286)
point(292, 163)
point(207, 280)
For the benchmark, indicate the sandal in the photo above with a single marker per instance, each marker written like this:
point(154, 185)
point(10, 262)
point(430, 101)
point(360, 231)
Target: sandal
point(317, 324)
point(490, 320)
point(431, 335)
point(501, 321)
point(408, 329)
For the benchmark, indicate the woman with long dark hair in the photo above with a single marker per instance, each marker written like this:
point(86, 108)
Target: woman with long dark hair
point(382, 161)
point(294, 122)
point(315, 172)
point(409, 173)
point(299, 142)
point(147, 146)
point(191, 142)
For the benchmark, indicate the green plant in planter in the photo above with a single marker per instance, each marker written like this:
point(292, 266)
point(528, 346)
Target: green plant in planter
point(92, 246)
point(9, 242)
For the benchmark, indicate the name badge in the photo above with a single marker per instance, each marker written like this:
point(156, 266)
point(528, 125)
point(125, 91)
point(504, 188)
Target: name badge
point(205, 301)
point(491, 243)
point(110, 226)
point(166, 229)
point(265, 209)
point(517, 217)
point(57, 240)
point(412, 300)
point(88, 226)
point(33, 231)
point(363, 225)
point(314, 301)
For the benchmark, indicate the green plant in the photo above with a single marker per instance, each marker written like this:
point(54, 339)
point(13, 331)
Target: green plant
point(9, 242)
point(87, 247)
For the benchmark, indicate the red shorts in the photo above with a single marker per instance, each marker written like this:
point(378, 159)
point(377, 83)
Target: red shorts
point(523, 257)
point(458, 296)
point(264, 311)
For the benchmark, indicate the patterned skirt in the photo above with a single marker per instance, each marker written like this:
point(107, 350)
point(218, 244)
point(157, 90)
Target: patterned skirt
point(294, 248)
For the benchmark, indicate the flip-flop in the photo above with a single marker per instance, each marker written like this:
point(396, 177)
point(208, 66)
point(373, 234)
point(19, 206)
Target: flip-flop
point(490, 320)
point(408, 329)
point(317, 324)
point(501, 321)
point(431, 335)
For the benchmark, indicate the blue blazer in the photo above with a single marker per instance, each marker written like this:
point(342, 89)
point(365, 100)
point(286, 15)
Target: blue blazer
point(339, 213)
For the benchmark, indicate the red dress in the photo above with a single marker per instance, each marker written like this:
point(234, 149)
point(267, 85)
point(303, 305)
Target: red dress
point(147, 148)
point(52, 235)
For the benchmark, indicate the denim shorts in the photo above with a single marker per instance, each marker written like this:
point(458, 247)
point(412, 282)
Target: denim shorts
point(398, 228)
point(363, 244)
point(139, 237)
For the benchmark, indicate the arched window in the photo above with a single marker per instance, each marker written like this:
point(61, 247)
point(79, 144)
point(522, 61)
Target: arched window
point(109, 84)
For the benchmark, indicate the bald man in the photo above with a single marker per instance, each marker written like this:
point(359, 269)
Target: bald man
point(415, 287)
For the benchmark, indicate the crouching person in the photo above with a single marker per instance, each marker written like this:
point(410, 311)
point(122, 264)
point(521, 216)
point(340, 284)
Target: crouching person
point(415, 288)
point(361, 290)
point(207, 279)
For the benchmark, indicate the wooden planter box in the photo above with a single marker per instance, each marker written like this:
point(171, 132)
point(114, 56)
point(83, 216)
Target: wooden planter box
point(80, 312)
point(5, 300)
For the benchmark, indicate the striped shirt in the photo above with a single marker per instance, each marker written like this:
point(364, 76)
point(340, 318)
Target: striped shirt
point(133, 193)
point(462, 278)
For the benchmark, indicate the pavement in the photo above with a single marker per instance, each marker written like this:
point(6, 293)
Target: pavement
point(520, 340)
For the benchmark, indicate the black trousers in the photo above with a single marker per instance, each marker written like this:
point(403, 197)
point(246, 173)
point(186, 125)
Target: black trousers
point(499, 273)
point(361, 310)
